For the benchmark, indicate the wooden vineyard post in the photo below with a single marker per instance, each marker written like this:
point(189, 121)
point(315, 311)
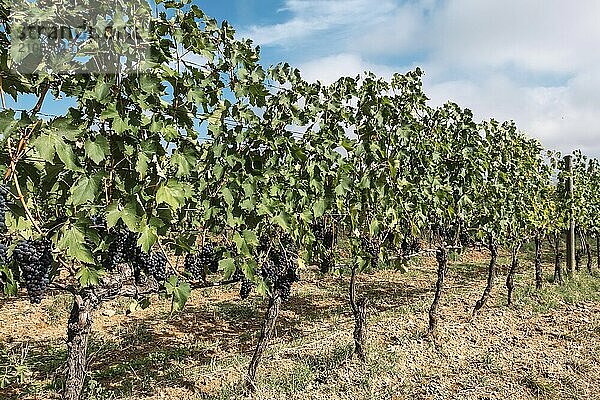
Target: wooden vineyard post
point(571, 230)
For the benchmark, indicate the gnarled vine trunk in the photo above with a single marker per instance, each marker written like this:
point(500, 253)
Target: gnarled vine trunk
point(558, 273)
point(78, 331)
point(493, 247)
point(588, 251)
point(359, 310)
point(510, 278)
point(597, 250)
point(265, 334)
point(539, 277)
point(442, 260)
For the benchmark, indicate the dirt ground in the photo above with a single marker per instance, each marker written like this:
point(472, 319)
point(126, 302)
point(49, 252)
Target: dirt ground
point(545, 346)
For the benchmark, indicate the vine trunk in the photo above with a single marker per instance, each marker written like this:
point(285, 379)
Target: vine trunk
point(359, 310)
point(558, 272)
point(510, 278)
point(266, 333)
point(78, 331)
point(442, 260)
point(493, 248)
point(539, 276)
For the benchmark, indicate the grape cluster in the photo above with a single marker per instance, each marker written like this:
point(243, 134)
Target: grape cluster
point(238, 275)
point(465, 239)
point(197, 264)
point(369, 247)
point(281, 266)
point(209, 258)
point(410, 246)
point(99, 223)
point(3, 207)
point(122, 249)
point(323, 235)
point(3, 253)
point(245, 288)
point(450, 235)
point(323, 247)
point(154, 264)
point(386, 239)
point(34, 258)
point(318, 232)
point(193, 267)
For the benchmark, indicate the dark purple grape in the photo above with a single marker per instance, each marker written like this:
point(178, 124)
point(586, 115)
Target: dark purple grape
point(34, 259)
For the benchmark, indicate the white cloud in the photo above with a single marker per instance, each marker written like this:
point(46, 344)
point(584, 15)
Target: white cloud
point(312, 17)
point(562, 117)
point(534, 61)
point(329, 69)
point(542, 35)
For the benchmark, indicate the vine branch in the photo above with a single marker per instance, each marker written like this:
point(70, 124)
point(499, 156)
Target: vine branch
point(168, 261)
point(19, 192)
point(2, 94)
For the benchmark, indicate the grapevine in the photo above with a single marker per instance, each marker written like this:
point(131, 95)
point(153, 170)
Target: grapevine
point(122, 172)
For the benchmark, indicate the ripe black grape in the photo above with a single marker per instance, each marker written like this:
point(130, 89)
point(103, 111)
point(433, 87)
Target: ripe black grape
point(3, 207)
point(34, 258)
point(328, 238)
point(99, 223)
point(154, 265)
point(158, 266)
point(280, 267)
point(193, 267)
point(207, 258)
point(245, 288)
point(323, 235)
point(369, 247)
point(323, 246)
point(3, 253)
point(285, 289)
point(122, 249)
point(410, 246)
point(238, 275)
point(199, 263)
point(318, 232)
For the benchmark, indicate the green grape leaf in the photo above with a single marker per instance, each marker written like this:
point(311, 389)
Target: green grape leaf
point(141, 165)
point(113, 214)
point(262, 288)
point(148, 237)
point(228, 267)
point(73, 243)
point(319, 208)
point(283, 220)
point(227, 195)
point(172, 193)
point(88, 276)
point(97, 150)
point(84, 190)
point(66, 155)
point(180, 293)
point(250, 237)
point(44, 145)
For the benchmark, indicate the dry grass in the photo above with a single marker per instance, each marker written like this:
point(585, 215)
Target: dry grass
point(544, 347)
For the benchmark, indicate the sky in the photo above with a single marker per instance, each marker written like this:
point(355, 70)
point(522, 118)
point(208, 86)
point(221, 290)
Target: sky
point(532, 61)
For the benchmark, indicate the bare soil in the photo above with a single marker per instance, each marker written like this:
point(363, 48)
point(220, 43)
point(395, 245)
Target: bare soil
point(545, 346)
